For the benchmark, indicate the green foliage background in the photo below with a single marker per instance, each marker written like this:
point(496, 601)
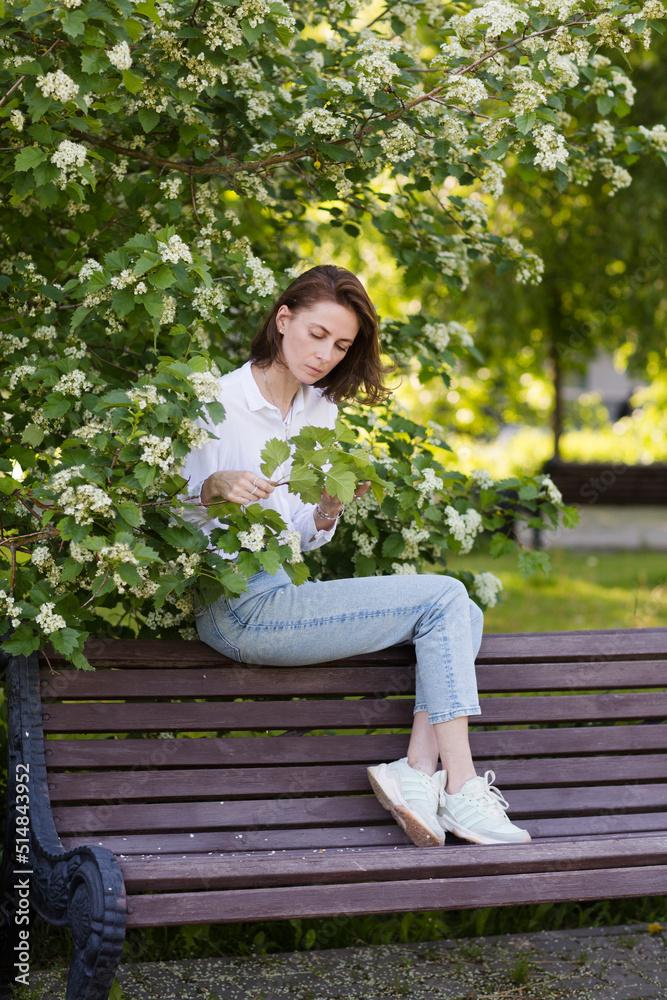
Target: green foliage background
point(163, 167)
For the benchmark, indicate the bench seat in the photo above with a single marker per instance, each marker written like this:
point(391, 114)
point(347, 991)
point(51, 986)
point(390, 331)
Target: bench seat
point(219, 792)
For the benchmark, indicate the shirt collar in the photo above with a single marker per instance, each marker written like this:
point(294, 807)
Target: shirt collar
point(254, 397)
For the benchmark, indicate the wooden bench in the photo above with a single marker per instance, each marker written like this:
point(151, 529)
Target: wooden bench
point(612, 483)
point(228, 823)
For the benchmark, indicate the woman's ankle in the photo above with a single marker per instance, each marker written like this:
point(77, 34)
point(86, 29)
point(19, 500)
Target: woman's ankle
point(456, 782)
point(422, 764)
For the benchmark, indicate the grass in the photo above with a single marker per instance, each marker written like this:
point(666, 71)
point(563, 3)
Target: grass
point(583, 591)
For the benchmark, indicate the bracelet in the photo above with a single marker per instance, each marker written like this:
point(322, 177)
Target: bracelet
point(328, 517)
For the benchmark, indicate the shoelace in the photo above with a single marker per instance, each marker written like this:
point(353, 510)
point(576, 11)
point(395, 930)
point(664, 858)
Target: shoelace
point(492, 797)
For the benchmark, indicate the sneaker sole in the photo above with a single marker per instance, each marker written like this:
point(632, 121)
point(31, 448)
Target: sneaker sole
point(388, 795)
point(477, 838)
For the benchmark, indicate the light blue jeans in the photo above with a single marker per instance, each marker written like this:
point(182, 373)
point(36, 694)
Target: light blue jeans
point(277, 623)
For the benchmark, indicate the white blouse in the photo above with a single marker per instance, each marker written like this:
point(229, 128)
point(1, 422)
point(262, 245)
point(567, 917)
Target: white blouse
point(250, 421)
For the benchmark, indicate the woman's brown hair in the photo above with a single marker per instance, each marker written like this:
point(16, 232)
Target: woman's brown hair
point(360, 374)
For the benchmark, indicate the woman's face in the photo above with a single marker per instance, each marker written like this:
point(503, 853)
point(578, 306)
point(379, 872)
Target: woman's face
point(316, 338)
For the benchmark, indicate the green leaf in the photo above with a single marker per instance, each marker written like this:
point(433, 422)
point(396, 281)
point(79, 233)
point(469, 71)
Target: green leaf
point(78, 317)
point(22, 642)
point(129, 574)
point(216, 412)
point(297, 572)
point(55, 405)
point(274, 453)
point(393, 545)
point(525, 123)
point(148, 8)
point(29, 158)
point(148, 118)
point(270, 561)
point(570, 517)
point(65, 640)
point(74, 23)
point(500, 545)
point(341, 483)
point(304, 481)
point(133, 83)
point(163, 277)
point(529, 562)
point(528, 492)
point(32, 434)
point(8, 484)
point(130, 513)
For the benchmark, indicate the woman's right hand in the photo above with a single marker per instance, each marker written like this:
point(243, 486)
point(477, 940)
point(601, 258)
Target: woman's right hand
point(237, 487)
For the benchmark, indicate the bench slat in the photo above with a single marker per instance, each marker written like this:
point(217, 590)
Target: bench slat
point(244, 783)
point(224, 906)
point(267, 750)
point(352, 714)
point(357, 838)
point(245, 682)
point(196, 872)
point(506, 647)
point(336, 810)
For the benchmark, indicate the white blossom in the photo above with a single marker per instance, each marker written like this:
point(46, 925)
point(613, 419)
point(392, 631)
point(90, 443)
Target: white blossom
point(252, 539)
point(41, 557)
point(656, 137)
point(85, 500)
point(206, 300)
point(293, 539)
point(319, 120)
point(16, 120)
point(486, 586)
point(493, 179)
point(552, 147)
point(205, 385)
point(618, 176)
point(429, 484)
point(551, 490)
point(168, 310)
point(171, 186)
point(399, 142)
point(482, 478)
point(19, 374)
point(365, 543)
point(157, 451)
point(375, 68)
point(413, 535)
point(464, 527)
point(9, 609)
point(120, 56)
point(58, 85)
point(73, 383)
point(263, 279)
point(88, 268)
point(49, 621)
point(69, 156)
point(403, 569)
point(174, 250)
point(605, 133)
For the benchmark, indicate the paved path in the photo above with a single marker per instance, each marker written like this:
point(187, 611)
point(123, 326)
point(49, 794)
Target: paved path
point(619, 963)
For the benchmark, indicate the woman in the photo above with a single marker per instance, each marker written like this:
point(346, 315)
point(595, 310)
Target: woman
point(318, 347)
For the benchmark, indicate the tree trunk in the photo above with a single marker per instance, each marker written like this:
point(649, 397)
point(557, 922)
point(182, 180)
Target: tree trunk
point(557, 412)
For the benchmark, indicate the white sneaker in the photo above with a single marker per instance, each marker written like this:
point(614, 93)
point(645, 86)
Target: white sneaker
point(412, 798)
point(477, 813)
